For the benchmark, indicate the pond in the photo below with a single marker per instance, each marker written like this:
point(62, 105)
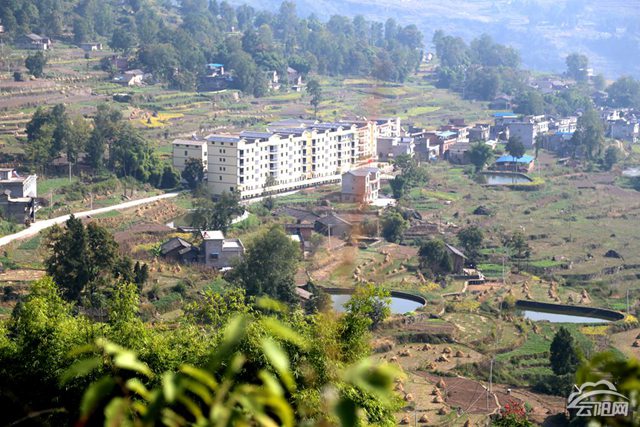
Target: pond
point(536, 315)
point(631, 172)
point(505, 179)
point(398, 305)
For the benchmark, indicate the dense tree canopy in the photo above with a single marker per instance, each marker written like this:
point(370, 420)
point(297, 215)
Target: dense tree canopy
point(269, 267)
point(248, 41)
point(479, 70)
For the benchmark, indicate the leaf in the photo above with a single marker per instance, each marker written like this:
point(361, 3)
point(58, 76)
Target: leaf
point(95, 393)
point(80, 369)
point(271, 304)
point(279, 360)
point(347, 413)
point(270, 383)
point(200, 375)
point(136, 386)
point(169, 388)
point(115, 413)
point(198, 389)
point(128, 360)
point(283, 332)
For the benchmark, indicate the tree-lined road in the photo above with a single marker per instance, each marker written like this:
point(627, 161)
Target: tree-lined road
point(38, 226)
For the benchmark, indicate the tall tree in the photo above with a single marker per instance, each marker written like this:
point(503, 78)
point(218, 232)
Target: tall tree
point(577, 65)
point(35, 64)
point(480, 154)
point(210, 215)
point(269, 267)
point(315, 91)
point(589, 134)
point(394, 226)
point(563, 356)
point(434, 257)
point(471, 239)
point(82, 258)
point(515, 147)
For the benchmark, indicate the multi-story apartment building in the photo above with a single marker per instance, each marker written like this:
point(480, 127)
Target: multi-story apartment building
point(281, 159)
point(184, 149)
point(527, 129)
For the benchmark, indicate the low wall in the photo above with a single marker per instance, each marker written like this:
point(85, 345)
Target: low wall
point(599, 313)
point(397, 294)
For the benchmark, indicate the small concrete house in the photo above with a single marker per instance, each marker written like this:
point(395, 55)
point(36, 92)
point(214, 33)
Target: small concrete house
point(34, 42)
point(179, 250)
point(20, 186)
point(130, 78)
point(218, 252)
point(458, 258)
point(17, 209)
point(91, 47)
point(294, 79)
point(514, 164)
point(360, 185)
point(333, 225)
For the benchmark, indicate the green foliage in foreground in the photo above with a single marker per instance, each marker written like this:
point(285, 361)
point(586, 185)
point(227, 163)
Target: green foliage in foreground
point(269, 366)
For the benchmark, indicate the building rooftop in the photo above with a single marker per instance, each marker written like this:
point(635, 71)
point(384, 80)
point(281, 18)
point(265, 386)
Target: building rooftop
point(199, 142)
point(223, 138)
point(510, 159)
point(506, 114)
point(255, 134)
point(332, 219)
point(363, 171)
point(455, 250)
point(231, 244)
point(173, 244)
point(212, 235)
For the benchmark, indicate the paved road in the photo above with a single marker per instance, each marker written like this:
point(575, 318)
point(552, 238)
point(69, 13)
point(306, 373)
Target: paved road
point(38, 226)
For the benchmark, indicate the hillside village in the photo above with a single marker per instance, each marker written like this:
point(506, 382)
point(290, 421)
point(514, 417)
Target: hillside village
point(210, 198)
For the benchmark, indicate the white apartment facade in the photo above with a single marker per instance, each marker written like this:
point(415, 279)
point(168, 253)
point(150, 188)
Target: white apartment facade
point(184, 149)
point(284, 159)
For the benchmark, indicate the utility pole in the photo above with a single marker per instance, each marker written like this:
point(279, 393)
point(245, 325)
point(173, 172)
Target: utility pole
point(91, 201)
point(628, 302)
point(329, 230)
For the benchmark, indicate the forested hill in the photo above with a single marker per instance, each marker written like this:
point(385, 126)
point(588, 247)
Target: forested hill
point(545, 31)
point(175, 41)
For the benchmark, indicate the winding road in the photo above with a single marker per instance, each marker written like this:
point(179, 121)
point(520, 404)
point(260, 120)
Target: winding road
point(38, 226)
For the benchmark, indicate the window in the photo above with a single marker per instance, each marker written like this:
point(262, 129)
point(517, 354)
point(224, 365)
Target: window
point(220, 177)
point(214, 256)
point(186, 153)
point(230, 188)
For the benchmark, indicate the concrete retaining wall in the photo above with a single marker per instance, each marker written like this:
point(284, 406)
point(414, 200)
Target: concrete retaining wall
point(598, 313)
point(397, 294)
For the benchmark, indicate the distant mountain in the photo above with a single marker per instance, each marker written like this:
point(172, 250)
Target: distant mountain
point(545, 31)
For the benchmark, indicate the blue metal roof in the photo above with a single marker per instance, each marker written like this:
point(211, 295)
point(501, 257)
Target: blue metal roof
point(510, 159)
point(445, 134)
point(214, 65)
point(505, 114)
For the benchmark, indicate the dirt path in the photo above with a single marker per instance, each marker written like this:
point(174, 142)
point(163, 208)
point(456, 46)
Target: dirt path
point(38, 226)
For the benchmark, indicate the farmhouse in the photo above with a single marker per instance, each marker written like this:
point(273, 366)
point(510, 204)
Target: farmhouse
point(514, 164)
point(218, 252)
point(528, 129)
point(360, 185)
point(458, 258)
point(130, 78)
point(34, 42)
point(179, 250)
point(333, 225)
point(90, 47)
point(294, 79)
point(19, 186)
